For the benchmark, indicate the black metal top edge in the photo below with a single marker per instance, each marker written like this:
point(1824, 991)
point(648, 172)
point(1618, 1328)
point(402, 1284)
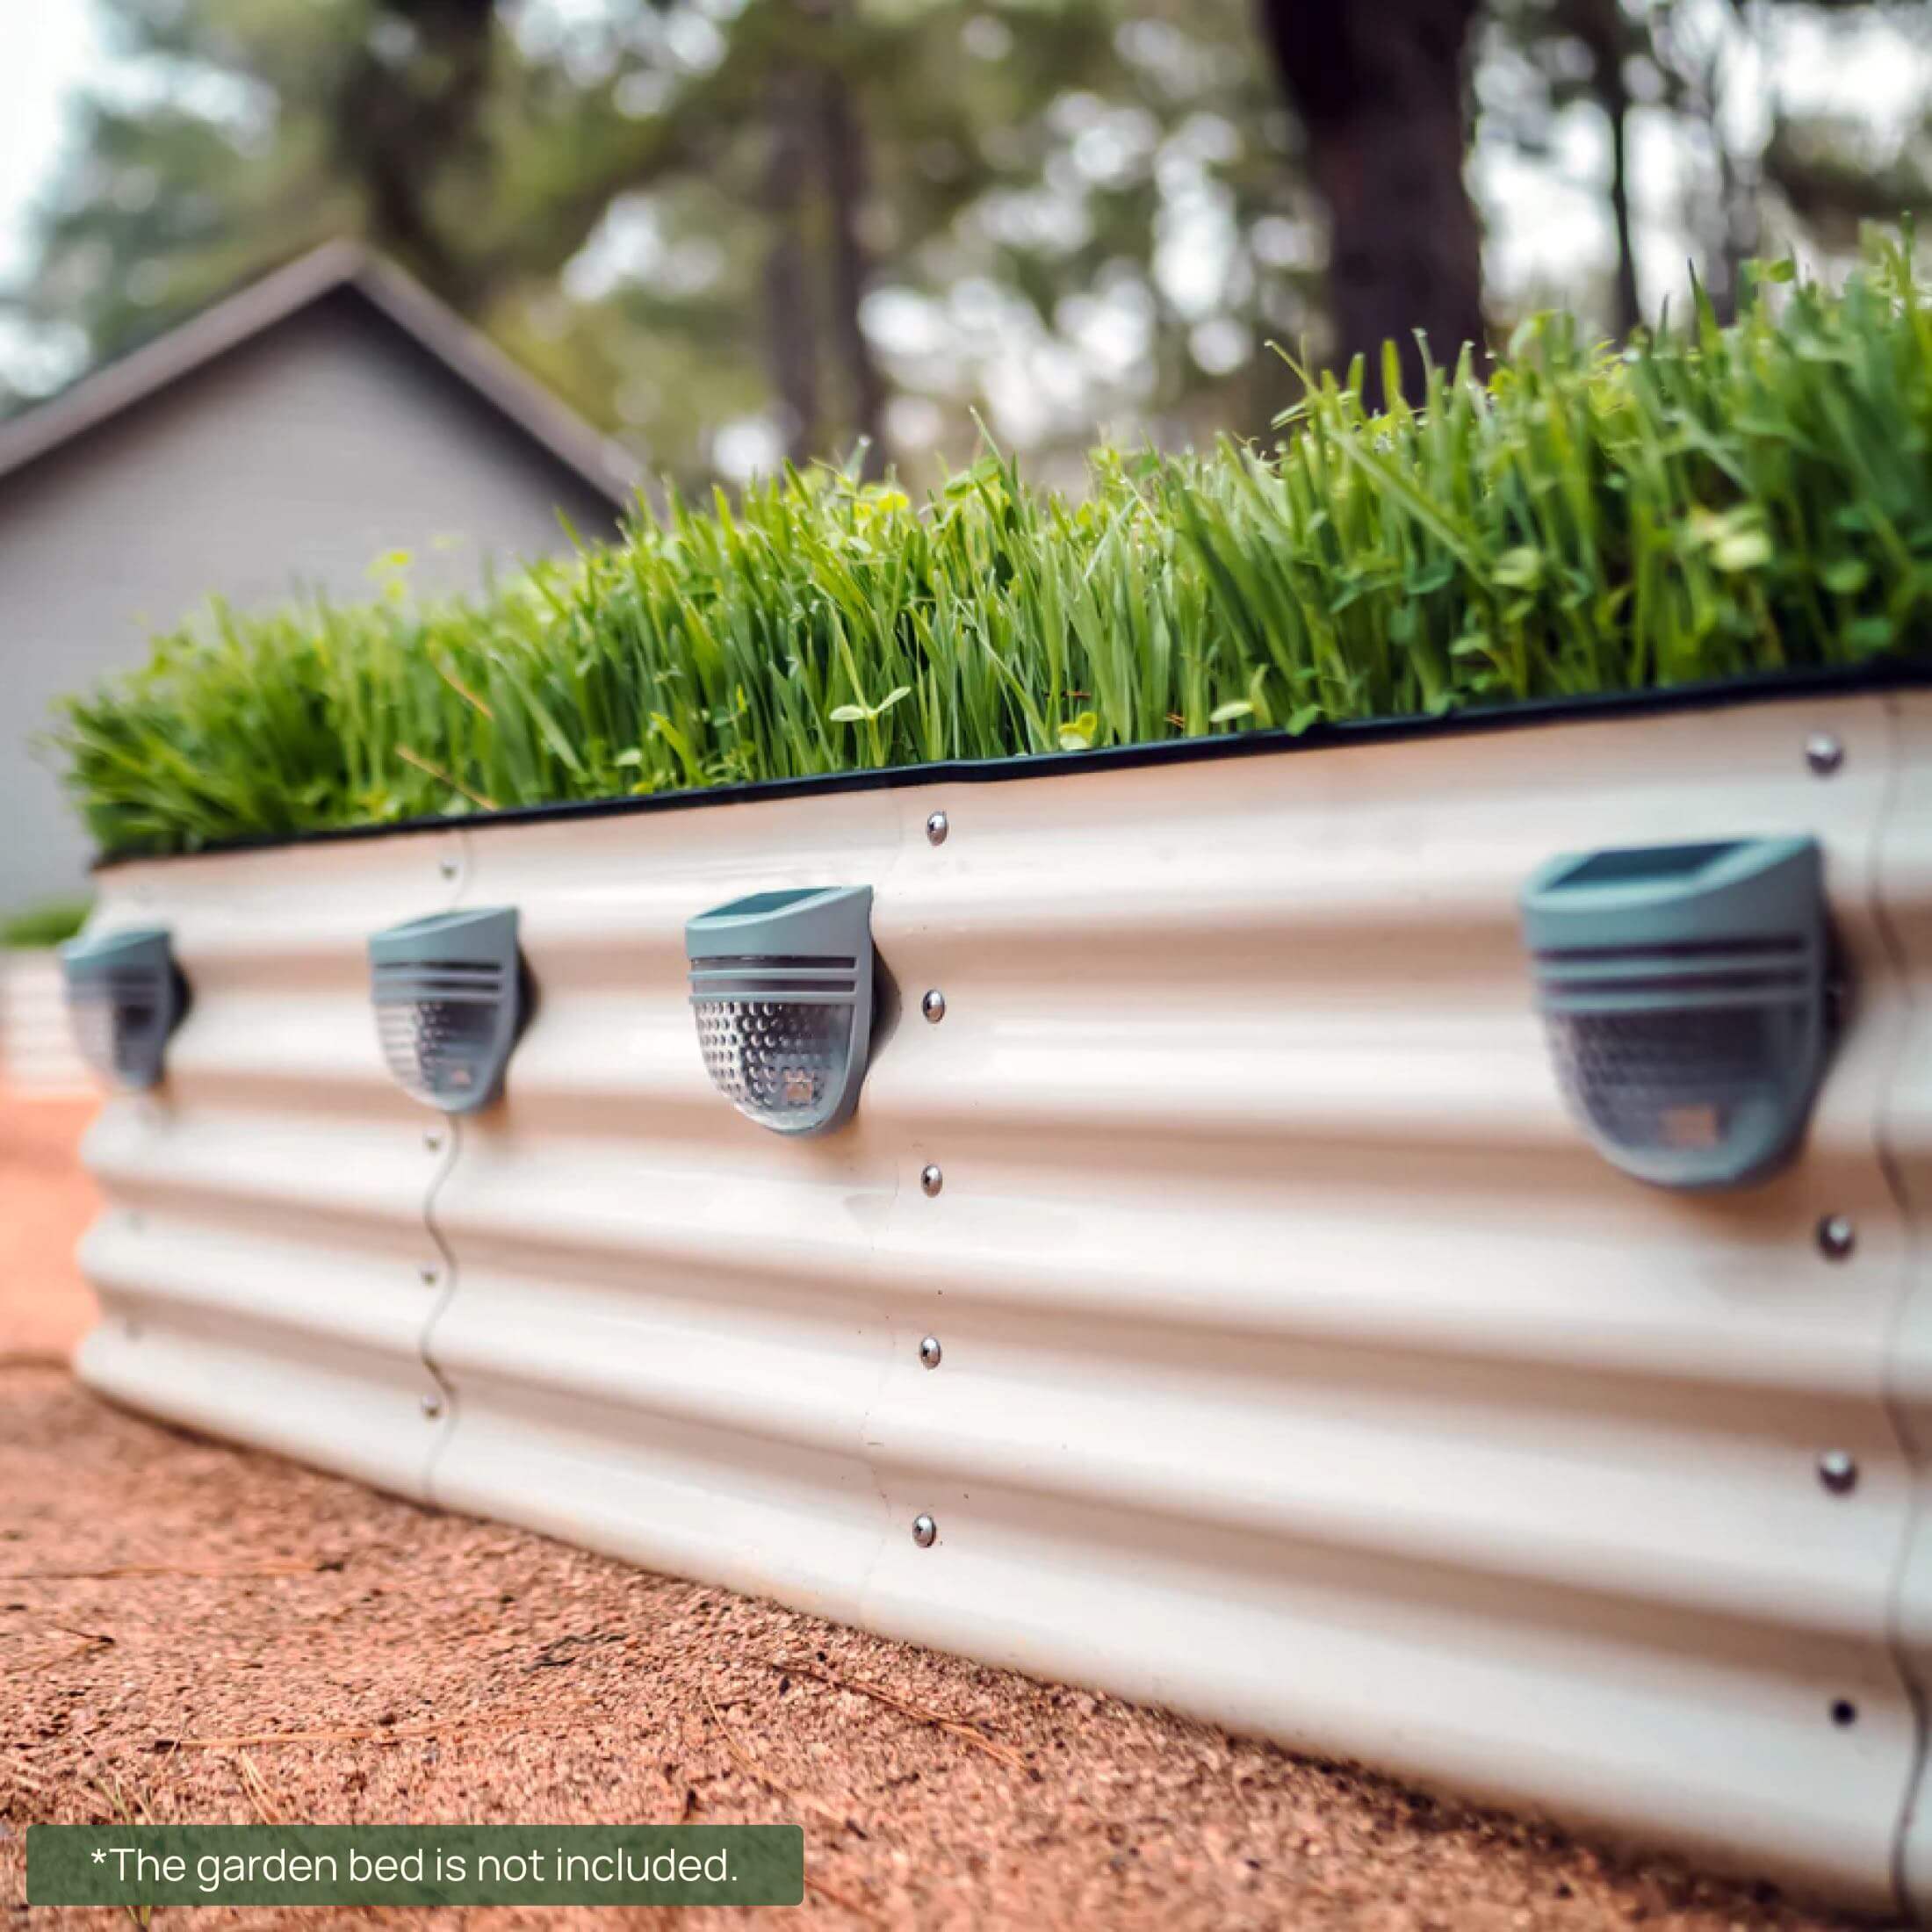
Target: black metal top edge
point(1891, 673)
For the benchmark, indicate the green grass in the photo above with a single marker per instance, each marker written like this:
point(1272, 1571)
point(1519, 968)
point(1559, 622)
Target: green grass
point(1711, 503)
point(44, 924)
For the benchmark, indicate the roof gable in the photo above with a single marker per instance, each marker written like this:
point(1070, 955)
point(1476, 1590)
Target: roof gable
point(337, 268)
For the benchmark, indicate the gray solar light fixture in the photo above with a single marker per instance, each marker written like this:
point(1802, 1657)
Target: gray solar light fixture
point(449, 998)
point(125, 996)
point(781, 990)
point(1683, 988)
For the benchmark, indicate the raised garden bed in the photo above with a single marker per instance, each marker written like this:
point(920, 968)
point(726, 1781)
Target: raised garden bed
point(1211, 1295)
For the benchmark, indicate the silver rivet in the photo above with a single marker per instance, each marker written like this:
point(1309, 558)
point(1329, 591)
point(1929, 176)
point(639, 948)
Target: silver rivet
point(1823, 754)
point(924, 1532)
point(432, 1139)
point(1836, 1238)
point(936, 829)
point(1838, 1472)
point(432, 1406)
point(428, 1274)
point(448, 868)
point(930, 1351)
point(931, 1179)
point(933, 1005)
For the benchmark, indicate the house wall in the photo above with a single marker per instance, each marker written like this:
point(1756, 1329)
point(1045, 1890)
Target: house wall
point(293, 461)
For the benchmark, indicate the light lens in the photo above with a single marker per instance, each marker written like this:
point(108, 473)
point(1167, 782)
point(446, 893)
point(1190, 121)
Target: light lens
point(439, 1051)
point(1683, 990)
point(780, 1061)
point(782, 993)
point(1680, 1084)
point(449, 1001)
point(124, 997)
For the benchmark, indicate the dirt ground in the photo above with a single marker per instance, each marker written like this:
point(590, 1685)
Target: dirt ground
point(194, 1633)
point(45, 1200)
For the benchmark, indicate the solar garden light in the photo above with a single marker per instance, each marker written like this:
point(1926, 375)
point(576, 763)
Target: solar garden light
point(1683, 990)
point(449, 998)
point(125, 996)
point(781, 990)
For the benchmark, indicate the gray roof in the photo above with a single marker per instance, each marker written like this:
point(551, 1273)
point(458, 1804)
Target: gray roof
point(335, 268)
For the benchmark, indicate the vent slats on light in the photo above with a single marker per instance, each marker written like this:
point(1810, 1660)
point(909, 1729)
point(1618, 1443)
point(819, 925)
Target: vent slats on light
point(782, 989)
point(1683, 991)
point(448, 992)
point(125, 996)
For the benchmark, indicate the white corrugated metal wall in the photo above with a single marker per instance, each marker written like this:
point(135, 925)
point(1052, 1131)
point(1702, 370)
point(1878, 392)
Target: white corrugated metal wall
point(38, 1058)
point(1302, 1367)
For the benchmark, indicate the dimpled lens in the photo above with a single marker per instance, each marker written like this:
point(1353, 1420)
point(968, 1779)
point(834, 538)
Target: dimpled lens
point(778, 1061)
point(438, 1049)
point(449, 996)
point(94, 1029)
point(1671, 1080)
point(124, 996)
point(115, 1023)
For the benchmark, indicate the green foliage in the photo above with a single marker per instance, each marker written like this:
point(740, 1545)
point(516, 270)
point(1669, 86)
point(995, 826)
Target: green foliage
point(1033, 151)
point(1712, 504)
point(46, 925)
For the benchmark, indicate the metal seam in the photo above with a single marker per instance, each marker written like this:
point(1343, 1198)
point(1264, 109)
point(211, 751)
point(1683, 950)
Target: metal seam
point(457, 870)
point(445, 1425)
point(1892, 1398)
point(904, 848)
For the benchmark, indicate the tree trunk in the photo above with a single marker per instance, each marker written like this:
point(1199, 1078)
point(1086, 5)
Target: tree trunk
point(1380, 92)
point(405, 116)
point(842, 141)
point(791, 329)
point(1630, 311)
point(1601, 27)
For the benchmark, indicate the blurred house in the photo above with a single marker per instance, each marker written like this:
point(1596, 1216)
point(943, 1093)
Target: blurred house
point(282, 440)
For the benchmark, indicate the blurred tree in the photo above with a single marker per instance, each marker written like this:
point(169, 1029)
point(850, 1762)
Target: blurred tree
point(735, 230)
point(1381, 91)
point(1758, 174)
point(404, 119)
point(1089, 207)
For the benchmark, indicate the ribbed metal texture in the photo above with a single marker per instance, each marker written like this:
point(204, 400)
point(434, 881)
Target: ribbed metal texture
point(38, 1054)
point(1300, 1364)
point(263, 1263)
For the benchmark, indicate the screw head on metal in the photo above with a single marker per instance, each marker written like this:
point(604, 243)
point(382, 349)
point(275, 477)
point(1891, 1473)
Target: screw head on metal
point(432, 1407)
point(936, 828)
point(933, 1005)
point(930, 1351)
point(1823, 754)
point(924, 1532)
point(931, 1179)
point(1836, 1236)
point(432, 1139)
point(1838, 1471)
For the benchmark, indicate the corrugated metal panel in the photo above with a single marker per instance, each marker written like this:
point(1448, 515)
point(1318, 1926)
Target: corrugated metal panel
point(37, 1051)
point(259, 1262)
point(1302, 1367)
point(1905, 895)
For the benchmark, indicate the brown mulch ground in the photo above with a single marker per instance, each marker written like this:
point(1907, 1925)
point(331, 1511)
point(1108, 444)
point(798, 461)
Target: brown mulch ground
point(164, 1598)
point(45, 1200)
